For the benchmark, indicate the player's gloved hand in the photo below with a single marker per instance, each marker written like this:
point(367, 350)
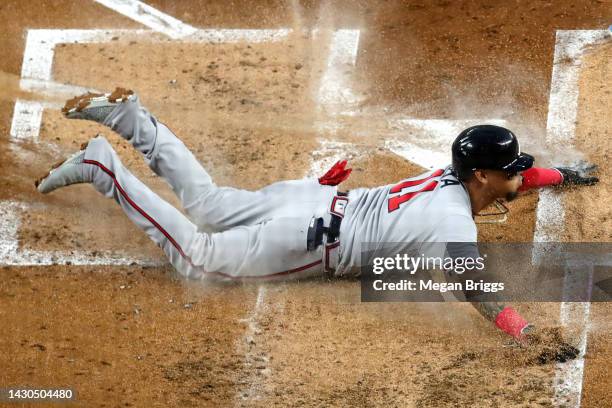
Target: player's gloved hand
point(336, 175)
point(579, 175)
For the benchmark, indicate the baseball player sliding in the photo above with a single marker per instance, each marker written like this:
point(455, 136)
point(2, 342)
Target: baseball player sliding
point(298, 228)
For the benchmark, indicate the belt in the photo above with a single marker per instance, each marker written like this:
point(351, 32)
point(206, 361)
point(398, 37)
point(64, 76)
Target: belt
point(317, 229)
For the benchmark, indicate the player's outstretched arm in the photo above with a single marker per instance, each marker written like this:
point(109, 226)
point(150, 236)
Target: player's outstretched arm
point(579, 175)
point(504, 317)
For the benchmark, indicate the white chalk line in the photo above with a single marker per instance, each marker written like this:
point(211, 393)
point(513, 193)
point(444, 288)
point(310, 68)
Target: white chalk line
point(12, 255)
point(40, 45)
point(36, 71)
point(550, 215)
point(255, 360)
point(335, 95)
point(150, 17)
point(27, 117)
point(430, 138)
point(342, 51)
point(561, 121)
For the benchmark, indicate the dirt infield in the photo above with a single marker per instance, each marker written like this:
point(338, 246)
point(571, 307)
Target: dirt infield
point(252, 113)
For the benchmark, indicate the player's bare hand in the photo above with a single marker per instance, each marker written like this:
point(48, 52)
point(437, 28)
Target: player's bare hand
point(579, 174)
point(548, 345)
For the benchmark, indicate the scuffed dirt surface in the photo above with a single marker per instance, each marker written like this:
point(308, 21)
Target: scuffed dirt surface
point(589, 217)
point(593, 135)
point(234, 105)
point(120, 336)
point(422, 355)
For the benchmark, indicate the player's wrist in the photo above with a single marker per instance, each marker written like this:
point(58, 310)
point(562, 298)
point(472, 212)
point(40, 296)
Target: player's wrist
point(512, 323)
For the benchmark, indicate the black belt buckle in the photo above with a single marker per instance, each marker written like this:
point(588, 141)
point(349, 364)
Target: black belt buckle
point(314, 238)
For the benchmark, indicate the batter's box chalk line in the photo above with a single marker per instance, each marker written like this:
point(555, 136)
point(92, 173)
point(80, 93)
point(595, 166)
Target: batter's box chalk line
point(36, 72)
point(550, 216)
point(429, 138)
point(12, 255)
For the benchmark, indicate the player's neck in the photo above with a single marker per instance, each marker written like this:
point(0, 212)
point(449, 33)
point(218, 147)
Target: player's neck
point(479, 197)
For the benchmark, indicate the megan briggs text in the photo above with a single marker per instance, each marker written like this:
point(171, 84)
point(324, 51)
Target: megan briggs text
point(430, 285)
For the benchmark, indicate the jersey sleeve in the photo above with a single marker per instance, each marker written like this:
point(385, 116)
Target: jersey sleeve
point(461, 243)
point(454, 236)
point(456, 228)
point(459, 235)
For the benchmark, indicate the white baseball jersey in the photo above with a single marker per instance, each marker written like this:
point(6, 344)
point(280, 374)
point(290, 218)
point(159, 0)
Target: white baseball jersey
point(433, 207)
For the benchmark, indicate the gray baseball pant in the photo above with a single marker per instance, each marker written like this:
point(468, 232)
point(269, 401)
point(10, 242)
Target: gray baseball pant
point(258, 234)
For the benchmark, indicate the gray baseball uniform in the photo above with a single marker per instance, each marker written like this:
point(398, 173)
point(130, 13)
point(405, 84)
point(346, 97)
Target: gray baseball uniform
point(234, 233)
point(258, 233)
point(416, 216)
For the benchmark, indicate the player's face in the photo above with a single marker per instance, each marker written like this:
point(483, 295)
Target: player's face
point(504, 184)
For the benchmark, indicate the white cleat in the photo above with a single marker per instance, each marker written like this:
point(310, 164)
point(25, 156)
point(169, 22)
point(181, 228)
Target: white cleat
point(96, 107)
point(67, 172)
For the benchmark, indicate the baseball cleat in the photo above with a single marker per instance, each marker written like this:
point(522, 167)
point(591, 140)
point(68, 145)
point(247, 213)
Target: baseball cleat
point(95, 106)
point(67, 172)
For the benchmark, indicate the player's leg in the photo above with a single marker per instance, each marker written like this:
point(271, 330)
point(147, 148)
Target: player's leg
point(165, 154)
point(211, 207)
point(222, 208)
point(272, 249)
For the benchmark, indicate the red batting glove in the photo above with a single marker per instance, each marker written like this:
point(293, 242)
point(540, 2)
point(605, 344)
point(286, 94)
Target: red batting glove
point(509, 321)
point(336, 175)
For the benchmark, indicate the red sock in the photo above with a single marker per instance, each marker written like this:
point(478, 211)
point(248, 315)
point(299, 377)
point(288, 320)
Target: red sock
point(539, 177)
